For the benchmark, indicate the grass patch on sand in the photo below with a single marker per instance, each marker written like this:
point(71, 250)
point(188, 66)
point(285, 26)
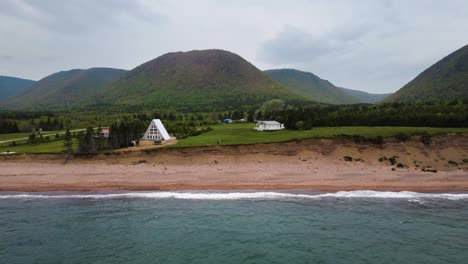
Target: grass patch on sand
point(243, 133)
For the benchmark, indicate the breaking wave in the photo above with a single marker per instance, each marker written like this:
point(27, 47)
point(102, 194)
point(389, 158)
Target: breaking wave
point(244, 195)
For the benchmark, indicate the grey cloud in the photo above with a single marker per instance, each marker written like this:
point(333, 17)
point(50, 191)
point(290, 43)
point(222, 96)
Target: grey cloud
point(6, 57)
point(375, 45)
point(294, 45)
point(75, 17)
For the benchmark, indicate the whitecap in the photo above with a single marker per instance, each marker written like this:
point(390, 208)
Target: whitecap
point(413, 196)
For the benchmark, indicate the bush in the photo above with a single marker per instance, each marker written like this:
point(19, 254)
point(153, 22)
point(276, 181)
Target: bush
point(300, 125)
point(348, 158)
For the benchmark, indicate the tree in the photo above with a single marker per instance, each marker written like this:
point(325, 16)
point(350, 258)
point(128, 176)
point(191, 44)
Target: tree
point(272, 106)
point(87, 143)
point(32, 138)
point(68, 144)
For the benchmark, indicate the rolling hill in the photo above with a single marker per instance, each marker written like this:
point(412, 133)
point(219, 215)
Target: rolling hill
point(445, 80)
point(74, 88)
point(12, 86)
point(365, 97)
point(199, 80)
point(311, 86)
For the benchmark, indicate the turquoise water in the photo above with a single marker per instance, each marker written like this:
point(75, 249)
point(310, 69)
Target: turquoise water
point(344, 227)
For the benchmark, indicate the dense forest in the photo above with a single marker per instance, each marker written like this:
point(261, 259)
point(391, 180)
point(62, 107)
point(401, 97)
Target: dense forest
point(442, 114)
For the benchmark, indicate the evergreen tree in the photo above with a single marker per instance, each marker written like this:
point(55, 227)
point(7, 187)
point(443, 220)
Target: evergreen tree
point(68, 144)
point(87, 143)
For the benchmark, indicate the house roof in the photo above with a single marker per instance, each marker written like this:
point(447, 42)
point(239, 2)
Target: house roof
point(105, 130)
point(270, 122)
point(161, 129)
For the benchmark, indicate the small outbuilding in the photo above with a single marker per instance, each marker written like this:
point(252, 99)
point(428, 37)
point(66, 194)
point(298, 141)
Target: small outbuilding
point(104, 132)
point(268, 126)
point(156, 132)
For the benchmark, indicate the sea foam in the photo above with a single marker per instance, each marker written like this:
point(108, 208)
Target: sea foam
point(245, 195)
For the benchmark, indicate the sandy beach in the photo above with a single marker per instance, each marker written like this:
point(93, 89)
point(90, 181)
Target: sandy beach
point(314, 164)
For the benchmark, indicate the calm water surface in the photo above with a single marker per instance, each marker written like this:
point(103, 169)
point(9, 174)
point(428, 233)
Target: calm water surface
point(345, 227)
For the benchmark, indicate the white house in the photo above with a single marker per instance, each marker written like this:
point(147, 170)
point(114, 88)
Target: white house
point(156, 132)
point(268, 126)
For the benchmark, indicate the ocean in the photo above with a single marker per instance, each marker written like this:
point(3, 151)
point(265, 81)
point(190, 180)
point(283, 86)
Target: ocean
point(233, 227)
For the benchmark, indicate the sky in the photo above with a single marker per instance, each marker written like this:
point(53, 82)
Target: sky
point(370, 45)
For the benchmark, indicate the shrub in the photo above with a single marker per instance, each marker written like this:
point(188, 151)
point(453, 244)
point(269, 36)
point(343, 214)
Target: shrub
point(393, 160)
point(348, 158)
point(300, 125)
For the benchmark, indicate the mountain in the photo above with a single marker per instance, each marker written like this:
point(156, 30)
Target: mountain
point(311, 86)
point(60, 90)
point(365, 97)
point(11, 86)
point(445, 80)
point(199, 80)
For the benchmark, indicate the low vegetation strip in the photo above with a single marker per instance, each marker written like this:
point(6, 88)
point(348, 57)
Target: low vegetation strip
point(234, 134)
point(243, 133)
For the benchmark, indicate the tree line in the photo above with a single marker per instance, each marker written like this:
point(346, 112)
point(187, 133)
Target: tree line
point(442, 114)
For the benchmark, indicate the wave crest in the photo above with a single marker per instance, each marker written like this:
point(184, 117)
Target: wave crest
point(245, 195)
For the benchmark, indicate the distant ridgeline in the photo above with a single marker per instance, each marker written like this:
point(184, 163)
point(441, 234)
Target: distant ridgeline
point(11, 86)
point(215, 81)
point(445, 80)
point(194, 81)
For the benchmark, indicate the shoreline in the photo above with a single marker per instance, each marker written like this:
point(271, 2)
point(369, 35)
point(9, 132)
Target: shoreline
point(310, 165)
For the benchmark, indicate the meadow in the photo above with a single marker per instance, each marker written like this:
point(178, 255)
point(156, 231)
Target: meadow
point(239, 133)
point(243, 133)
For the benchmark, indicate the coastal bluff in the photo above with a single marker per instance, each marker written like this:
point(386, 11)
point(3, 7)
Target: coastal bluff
point(420, 163)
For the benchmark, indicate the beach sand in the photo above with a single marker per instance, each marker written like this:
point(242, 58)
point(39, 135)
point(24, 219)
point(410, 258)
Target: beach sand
point(313, 164)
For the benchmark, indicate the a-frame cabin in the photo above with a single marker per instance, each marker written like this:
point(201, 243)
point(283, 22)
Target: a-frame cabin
point(156, 132)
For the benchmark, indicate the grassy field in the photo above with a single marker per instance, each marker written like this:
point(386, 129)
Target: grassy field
point(53, 146)
point(22, 138)
point(233, 134)
point(13, 136)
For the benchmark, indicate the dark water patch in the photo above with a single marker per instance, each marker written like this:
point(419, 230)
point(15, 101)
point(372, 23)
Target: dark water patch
point(291, 229)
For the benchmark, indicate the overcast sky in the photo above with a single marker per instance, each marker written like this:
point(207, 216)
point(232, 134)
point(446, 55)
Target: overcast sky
point(375, 46)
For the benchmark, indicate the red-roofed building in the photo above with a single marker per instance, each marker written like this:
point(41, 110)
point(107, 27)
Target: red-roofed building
point(104, 132)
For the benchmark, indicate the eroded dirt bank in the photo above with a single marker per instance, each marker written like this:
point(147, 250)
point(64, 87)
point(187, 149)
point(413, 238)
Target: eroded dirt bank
point(319, 164)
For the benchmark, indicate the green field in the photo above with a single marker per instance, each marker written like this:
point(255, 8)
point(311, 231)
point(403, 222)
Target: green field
point(22, 138)
point(13, 136)
point(53, 146)
point(233, 134)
